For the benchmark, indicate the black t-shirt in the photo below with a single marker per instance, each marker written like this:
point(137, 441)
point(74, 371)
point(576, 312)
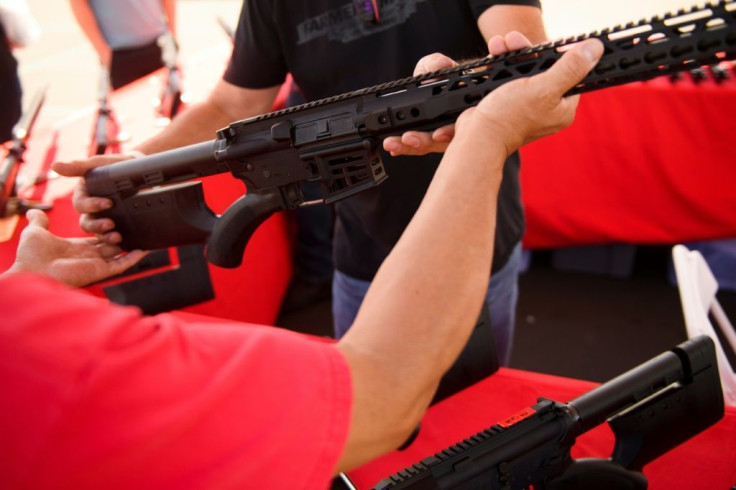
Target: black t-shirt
point(8, 64)
point(329, 51)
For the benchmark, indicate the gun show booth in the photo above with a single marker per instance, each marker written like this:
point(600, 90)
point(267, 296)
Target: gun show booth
point(637, 167)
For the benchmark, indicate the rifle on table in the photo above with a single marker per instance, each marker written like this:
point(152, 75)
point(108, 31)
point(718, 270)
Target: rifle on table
point(651, 409)
point(10, 203)
point(335, 141)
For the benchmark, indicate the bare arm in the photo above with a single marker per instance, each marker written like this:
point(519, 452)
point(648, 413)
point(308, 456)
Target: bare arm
point(499, 20)
point(423, 302)
point(86, 19)
point(225, 104)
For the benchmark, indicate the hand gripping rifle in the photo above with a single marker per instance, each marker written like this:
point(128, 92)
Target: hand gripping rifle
point(335, 141)
point(10, 203)
point(651, 409)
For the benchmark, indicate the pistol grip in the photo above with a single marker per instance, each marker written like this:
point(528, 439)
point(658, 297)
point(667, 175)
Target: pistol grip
point(237, 224)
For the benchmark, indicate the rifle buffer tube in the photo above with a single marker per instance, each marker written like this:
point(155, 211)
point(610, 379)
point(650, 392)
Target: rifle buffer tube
point(168, 167)
point(635, 385)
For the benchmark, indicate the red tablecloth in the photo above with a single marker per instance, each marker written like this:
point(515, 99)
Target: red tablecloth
point(251, 292)
point(707, 461)
point(648, 163)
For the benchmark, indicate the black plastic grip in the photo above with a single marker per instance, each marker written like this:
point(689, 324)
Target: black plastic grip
point(162, 217)
point(237, 224)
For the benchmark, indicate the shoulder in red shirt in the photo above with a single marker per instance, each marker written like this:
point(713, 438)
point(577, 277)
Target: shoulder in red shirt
point(97, 396)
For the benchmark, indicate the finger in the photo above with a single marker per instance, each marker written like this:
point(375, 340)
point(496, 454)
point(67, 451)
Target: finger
point(92, 247)
point(36, 217)
point(107, 250)
point(126, 261)
point(406, 144)
point(512, 41)
point(113, 237)
point(77, 168)
point(97, 226)
point(433, 62)
point(497, 45)
point(392, 144)
point(84, 203)
point(444, 134)
point(574, 65)
point(516, 40)
point(413, 143)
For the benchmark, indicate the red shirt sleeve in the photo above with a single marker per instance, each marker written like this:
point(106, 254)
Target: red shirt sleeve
point(97, 396)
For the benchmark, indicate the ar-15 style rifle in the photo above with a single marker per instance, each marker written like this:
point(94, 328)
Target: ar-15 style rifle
point(335, 141)
point(651, 409)
point(10, 203)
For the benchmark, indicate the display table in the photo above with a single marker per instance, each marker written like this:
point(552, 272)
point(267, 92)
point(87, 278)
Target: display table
point(645, 163)
point(707, 461)
point(251, 292)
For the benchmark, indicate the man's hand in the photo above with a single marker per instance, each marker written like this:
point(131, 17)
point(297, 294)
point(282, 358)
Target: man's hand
point(527, 109)
point(74, 261)
point(86, 204)
point(420, 143)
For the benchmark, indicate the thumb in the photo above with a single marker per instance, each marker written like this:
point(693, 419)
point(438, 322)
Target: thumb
point(574, 65)
point(77, 168)
point(36, 217)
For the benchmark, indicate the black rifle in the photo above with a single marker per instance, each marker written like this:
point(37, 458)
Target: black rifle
point(10, 203)
point(335, 141)
point(651, 409)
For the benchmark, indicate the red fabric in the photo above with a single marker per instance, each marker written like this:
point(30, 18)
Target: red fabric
point(705, 461)
point(645, 162)
point(94, 396)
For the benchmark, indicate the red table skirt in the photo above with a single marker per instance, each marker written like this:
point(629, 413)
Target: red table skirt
point(646, 163)
point(251, 292)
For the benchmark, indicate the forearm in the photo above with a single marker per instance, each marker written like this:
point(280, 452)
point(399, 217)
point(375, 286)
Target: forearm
point(200, 121)
point(87, 22)
point(429, 291)
point(425, 299)
point(501, 19)
point(197, 123)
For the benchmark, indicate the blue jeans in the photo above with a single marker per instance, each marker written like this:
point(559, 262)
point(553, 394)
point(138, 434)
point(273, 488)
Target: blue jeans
point(502, 295)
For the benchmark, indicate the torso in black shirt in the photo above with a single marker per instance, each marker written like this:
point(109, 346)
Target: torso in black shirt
point(329, 51)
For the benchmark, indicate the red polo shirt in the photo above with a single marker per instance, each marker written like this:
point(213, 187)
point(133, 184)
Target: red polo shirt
point(98, 396)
